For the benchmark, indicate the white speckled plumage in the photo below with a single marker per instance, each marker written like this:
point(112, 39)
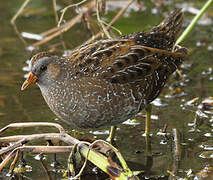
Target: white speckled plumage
point(106, 82)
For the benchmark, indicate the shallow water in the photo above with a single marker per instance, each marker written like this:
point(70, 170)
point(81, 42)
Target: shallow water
point(195, 144)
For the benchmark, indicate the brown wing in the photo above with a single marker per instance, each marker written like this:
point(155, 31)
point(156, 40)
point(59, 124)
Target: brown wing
point(139, 63)
point(121, 61)
point(89, 58)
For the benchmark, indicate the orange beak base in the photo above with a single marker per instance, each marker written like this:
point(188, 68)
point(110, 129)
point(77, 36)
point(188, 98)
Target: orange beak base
point(29, 81)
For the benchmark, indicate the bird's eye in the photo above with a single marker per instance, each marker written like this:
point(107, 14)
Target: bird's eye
point(43, 68)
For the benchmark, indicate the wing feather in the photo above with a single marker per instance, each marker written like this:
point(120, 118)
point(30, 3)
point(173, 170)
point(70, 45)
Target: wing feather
point(122, 61)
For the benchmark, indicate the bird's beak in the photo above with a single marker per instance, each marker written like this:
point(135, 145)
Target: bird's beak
point(29, 81)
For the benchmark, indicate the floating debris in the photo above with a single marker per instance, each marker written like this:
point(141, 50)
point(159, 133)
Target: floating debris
point(206, 104)
point(22, 169)
point(189, 7)
point(206, 147)
point(39, 157)
point(100, 132)
point(161, 133)
point(205, 21)
point(208, 135)
point(209, 71)
point(206, 154)
point(144, 135)
point(155, 11)
point(206, 173)
point(210, 48)
point(32, 36)
point(177, 92)
point(192, 102)
point(154, 117)
point(131, 122)
point(191, 124)
point(201, 114)
point(31, 48)
point(158, 102)
point(163, 142)
point(56, 119)
point(200, 44)
point(194, 130)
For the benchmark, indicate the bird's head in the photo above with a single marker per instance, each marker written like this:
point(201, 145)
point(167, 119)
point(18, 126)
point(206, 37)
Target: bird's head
point(44, 70)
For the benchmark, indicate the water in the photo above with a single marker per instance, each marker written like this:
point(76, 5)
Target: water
point(195, 142)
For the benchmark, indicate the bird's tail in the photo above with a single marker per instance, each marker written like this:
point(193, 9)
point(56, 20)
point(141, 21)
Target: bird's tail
point(168, 31)
point(162, 36)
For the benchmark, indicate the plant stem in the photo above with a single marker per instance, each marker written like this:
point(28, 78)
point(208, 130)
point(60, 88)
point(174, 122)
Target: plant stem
point(194, 21)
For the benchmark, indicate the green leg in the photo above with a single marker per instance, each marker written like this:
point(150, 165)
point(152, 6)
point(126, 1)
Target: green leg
point(148, 119)
point(148, 146)
point(147, 128)
point(111, 134)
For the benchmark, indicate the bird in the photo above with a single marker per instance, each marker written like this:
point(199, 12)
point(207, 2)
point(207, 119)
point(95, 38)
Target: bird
point(105, 82)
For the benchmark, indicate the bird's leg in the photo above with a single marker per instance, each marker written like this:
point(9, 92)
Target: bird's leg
point(111, 134)
point(148, 146)
point(148, 109)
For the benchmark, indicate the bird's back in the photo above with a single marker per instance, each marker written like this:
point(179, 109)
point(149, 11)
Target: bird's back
point(113, 79)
